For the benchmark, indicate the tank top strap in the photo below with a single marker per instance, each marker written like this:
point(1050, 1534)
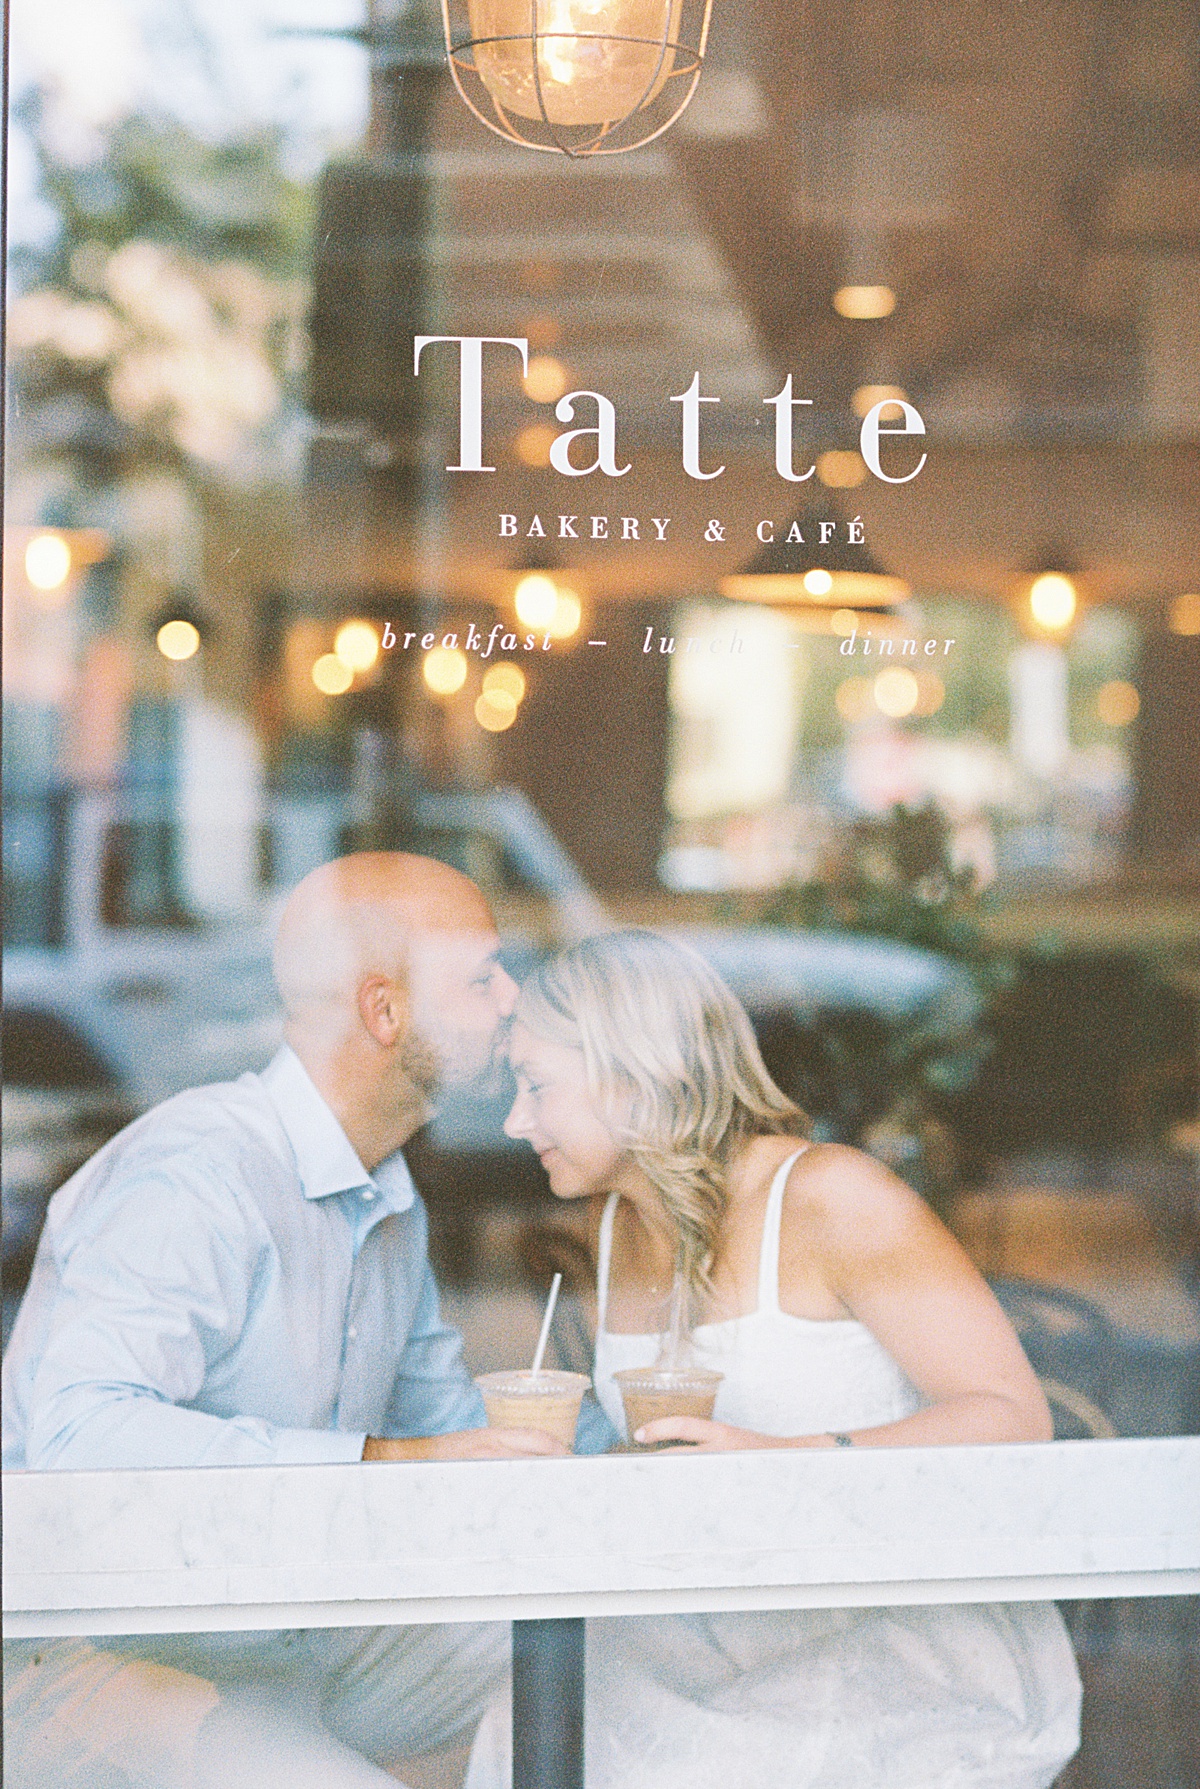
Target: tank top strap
point(768, 1260)
point(604, 1257)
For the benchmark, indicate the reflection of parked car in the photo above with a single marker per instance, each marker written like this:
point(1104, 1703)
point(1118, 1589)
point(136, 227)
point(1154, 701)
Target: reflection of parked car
point(148, 1013)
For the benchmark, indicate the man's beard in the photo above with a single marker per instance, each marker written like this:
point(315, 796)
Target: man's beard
point(422, 1065)
point(431, 1070)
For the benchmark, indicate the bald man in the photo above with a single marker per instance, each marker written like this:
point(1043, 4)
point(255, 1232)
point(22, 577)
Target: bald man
point(241, 1277)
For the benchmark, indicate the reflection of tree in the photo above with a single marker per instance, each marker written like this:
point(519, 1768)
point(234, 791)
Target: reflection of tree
point(163, 327)
point(884, 1084)
point(157, 344)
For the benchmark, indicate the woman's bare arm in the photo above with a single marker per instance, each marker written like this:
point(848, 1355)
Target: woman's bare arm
point(895, 1267)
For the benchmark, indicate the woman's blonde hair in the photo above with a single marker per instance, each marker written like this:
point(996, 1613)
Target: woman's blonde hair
point(673, 1064)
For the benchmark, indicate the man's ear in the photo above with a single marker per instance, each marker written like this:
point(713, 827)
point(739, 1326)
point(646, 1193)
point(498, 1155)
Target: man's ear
point(383, 1009)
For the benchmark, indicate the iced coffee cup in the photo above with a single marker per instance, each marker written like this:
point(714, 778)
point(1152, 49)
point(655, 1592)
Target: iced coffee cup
point(523, 1399)
point(650, 1392)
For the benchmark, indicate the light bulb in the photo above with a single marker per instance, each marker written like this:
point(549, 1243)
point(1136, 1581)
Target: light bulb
point(536, 599)
point(864, 303)
point(568, 613)
point(1185, 613)
point(178, 640)
point(546, 379)
point(332, 675)
point(839, 470)
point(508, 678)
point(597, 60)
point(867, 396)
point(495, 710)
point(1117, 703)
point(1052, 601)
point(47, 562)
point(445, 670)
point(357, 645)
point(897, 693)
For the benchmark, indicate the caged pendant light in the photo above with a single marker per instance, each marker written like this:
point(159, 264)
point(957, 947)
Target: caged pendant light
point(576, 77)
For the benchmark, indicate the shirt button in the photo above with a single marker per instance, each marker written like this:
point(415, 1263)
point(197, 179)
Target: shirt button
point(352, 1332)
point(368, 1193)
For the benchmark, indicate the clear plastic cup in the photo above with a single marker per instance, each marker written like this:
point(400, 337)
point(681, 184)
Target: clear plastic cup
point(650, 1392)
point(521, 1399)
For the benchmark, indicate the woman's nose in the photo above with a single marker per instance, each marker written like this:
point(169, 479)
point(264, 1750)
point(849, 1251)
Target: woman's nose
point(517, 1122)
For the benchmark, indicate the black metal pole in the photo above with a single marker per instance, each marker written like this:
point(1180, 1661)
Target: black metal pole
point(548, 1684)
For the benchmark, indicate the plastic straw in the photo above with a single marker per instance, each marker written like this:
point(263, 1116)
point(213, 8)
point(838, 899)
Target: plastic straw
point(546, 1321)
point(676, 1329)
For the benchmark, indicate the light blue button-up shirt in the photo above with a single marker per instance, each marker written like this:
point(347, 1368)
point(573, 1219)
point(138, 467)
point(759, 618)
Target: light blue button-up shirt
point(225, 1284)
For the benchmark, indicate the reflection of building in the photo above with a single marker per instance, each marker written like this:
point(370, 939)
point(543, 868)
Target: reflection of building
point(1038, 311)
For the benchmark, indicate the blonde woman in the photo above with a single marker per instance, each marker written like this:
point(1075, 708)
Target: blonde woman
point(841, 1313)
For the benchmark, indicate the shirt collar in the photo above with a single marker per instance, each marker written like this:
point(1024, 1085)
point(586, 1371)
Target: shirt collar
point(326, 1160)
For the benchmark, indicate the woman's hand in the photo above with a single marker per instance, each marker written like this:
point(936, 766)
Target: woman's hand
point(467, 1444)
point(717, 1438)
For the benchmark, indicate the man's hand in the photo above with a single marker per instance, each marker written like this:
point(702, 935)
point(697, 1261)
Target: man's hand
point(467, 1444)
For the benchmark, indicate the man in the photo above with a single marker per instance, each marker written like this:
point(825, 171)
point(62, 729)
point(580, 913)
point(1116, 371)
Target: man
point(240, 1278)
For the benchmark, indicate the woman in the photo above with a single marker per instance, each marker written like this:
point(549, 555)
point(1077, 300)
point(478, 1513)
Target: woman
point(841, 1313)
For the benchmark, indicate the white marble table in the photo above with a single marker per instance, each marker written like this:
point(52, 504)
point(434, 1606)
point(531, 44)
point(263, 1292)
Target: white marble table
point(260, 1547)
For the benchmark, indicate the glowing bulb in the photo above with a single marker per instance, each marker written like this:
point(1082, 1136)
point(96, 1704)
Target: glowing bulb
point(896, 692)
point(817, 583)
point(595, 62)
point(867, 396)
point(1117, 703)
point(332, 675)
point(862, 303)
point(357, 645)
point(47, 562)
point(840, 471)
point(496, 710)
point(508, 678)
point(177, 640)
point(1185, 613)
point(445, 670)
point(536, 599)
point(932, 693)
point(546, 379)
point(534, 442)
point(568, 613)
point(854, 698)
point(1052, 601)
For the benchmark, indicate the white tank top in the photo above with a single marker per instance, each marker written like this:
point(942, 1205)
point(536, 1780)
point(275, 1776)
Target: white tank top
point(784, 1375)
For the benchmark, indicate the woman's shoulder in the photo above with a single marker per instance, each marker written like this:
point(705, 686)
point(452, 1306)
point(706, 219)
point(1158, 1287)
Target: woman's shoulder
point(841, 1188)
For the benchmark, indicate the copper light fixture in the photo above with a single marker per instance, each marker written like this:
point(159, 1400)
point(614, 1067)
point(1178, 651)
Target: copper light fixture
point(576, 77)
point(806, 572)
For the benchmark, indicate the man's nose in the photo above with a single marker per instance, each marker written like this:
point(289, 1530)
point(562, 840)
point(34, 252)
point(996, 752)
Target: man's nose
point(507, 992)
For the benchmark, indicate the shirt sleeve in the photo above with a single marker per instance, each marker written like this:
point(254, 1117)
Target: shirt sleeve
point(434, 1393)
point(595, 1434)
point(153, 1292)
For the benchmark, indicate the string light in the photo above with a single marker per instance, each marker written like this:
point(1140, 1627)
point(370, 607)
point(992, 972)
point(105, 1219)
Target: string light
point(445, 670)
point(357, 645)
point(332, 675)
